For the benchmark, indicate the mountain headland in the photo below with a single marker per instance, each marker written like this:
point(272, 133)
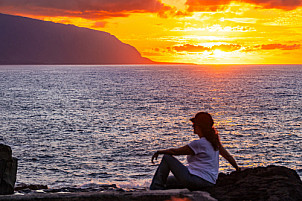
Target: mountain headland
point(30, 41)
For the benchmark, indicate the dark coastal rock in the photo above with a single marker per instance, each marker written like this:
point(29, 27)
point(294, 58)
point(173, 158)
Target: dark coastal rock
point(270, 183)
point(158, 195)
point(8, 170)
point(87, 188)
point(91, 187)
point(23, 186)
point(262, 183)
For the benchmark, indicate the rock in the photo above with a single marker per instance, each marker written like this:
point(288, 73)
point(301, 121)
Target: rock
point(87, 188)
point(97, 186)
point(90, 187)
point(5, 152)
point(23, 186)
point(159, 195)
point(261, 183)
point(8, 170)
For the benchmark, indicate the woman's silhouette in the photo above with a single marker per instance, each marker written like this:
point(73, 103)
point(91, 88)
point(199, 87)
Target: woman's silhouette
point(203, 159)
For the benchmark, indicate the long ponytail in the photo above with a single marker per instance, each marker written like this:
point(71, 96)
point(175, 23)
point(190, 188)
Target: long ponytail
point(212, 136)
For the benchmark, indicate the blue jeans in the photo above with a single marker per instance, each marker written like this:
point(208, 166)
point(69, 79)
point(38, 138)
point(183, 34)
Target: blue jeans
point(182, 177)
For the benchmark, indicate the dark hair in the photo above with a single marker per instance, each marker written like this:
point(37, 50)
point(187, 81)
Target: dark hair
point(205, 122)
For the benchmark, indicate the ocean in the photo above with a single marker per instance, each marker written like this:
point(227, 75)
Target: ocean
point(71, 125)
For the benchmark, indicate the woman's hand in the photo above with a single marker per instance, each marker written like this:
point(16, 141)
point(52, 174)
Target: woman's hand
point(185, 150)
point(155, 156)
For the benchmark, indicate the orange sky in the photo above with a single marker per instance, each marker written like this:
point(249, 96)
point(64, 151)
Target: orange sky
point(190, 31)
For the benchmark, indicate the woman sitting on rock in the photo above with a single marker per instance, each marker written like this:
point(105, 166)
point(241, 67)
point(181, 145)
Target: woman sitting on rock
point(203, 159)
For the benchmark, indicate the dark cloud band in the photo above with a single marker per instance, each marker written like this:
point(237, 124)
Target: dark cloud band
point(202, 5)
point(82, 8)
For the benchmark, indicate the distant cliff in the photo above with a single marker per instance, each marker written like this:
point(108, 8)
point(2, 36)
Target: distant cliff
point(30, 41)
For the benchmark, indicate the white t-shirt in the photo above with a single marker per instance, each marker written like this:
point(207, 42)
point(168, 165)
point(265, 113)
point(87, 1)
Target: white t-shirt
point(205, 162)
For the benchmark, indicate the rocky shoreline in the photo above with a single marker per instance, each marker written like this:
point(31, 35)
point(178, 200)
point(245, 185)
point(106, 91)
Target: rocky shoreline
point(261, 183)
point(160, 195)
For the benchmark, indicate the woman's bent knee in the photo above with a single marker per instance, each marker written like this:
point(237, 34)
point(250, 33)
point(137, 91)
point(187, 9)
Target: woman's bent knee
point(166, 156)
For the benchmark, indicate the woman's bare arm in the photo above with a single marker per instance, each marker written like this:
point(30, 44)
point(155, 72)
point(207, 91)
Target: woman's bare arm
point(185, 150)
point(225, 154)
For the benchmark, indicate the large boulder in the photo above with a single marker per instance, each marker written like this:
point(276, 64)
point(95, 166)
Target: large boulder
point(261, 183)
point(8, 170)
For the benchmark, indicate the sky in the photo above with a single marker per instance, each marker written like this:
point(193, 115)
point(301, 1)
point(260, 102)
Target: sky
point(185, 31)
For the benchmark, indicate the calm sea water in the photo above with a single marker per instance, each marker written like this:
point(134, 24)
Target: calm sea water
point(73, 125)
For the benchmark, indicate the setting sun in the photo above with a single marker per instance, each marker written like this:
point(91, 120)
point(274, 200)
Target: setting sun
point(219, 53)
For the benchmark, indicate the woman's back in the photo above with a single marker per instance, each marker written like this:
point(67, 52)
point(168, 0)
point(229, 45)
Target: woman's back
point(205, 162)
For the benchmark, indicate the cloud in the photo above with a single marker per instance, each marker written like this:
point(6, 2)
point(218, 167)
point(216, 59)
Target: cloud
point(197, 48)
point(281, 4)
point(280, 46)
point(82, 8)
point(191, 48)
point(204, 5)
point(275, 46)
point(99, 24)
point(226, 47)
point(233, 47)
